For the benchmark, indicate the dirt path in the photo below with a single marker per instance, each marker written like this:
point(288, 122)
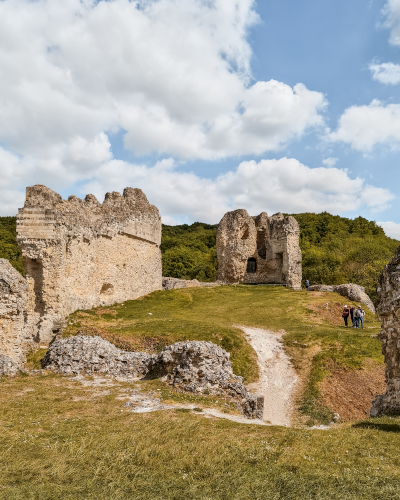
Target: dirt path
point(278, 378)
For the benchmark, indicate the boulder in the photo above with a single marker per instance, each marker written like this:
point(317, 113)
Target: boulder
point(353, 292)
point(199, 367)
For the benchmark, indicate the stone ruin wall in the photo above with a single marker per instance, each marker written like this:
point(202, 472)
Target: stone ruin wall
point(389, 313)
point(80, 254)
point(272, 241)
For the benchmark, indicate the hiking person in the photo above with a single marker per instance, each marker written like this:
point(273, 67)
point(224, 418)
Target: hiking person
point(357, 316)
point(345, 314)
point(352, 315)
point(362, 314)
point(308, 285)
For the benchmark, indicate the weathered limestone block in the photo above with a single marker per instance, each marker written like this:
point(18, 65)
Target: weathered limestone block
point(175, 283)
point(389, 313)
point(8, 366)
point(81, 254)
point(200, 367)
point(259, 249)
point(18, 320)
point(353, 292)
point(94, 355)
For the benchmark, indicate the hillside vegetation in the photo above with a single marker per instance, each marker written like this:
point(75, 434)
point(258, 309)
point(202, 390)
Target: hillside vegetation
point(335, 250)
point(8, 244)
point(70, 437)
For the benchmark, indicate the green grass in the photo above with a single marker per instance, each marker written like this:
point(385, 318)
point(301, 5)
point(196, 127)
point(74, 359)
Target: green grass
point(211, 314)
point(59, 439)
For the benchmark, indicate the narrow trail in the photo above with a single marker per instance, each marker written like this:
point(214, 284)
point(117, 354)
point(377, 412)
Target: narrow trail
point(278, 378)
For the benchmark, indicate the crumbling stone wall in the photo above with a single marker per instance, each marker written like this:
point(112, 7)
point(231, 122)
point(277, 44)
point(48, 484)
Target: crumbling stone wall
point(80, 254)
point(193, 366)
point(389, 313)
point(273, 243)
point(18, 320)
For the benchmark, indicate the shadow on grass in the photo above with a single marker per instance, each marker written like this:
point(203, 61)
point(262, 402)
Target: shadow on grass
point(379, 427)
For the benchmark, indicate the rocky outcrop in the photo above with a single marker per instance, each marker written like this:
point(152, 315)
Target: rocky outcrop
point(199, 367)
point(18, 319)
point(389, 313)
point(259, 249)
point(84, 354)
point(353, 292)
point(175, 283)
point(81, 254)
point(8, 367)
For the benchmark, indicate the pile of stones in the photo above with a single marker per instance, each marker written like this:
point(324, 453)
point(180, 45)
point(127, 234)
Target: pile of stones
point(197, 367)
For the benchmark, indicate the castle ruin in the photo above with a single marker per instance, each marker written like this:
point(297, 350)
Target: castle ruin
point(77, 254)
point(259, 249)
point(389, 313)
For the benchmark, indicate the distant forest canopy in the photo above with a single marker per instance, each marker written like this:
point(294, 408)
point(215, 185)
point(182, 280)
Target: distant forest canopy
point(335, 250)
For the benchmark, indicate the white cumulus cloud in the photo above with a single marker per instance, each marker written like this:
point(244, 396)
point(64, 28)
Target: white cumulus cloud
point(173, 74)
point(392, 229)
point(364, 127)
point(283, 185)
point(387, 73)
point(391, 12)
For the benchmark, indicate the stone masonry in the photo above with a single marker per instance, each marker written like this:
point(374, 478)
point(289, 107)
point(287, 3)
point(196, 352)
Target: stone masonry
point(77, 254)
point(259, 249)
point(389, 313)
point(192, 366)
point(18, 319)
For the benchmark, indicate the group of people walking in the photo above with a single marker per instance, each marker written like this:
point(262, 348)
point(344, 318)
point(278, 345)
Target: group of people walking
point(356, 314)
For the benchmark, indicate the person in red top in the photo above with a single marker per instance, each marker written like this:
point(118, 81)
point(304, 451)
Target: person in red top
point(345, 314)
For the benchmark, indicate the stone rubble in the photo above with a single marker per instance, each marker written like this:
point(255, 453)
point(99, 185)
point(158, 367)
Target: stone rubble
point(389, 313)
point(353, 292)
point(192, 366)
point(8, 366)
point(175, 283)
point(89, 355)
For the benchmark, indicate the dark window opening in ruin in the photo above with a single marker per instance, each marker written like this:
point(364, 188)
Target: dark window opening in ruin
point(4, 287)
point(34, 269)
point(245, 232)
point(251, 265)
point(261, 248)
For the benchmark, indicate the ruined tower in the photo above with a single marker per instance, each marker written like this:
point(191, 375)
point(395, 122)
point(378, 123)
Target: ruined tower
point(78, 254)
point(259, 249)
point(389, 313)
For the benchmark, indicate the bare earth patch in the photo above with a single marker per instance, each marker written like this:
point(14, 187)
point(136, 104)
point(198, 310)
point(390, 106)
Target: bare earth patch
point(278, 378)
point(350, 392)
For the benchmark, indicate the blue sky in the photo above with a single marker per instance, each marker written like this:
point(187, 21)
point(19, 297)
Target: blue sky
point(198, 104)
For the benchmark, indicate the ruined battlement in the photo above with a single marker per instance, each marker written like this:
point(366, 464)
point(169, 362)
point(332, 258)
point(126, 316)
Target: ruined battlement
point(259, 249)
point(80, 254)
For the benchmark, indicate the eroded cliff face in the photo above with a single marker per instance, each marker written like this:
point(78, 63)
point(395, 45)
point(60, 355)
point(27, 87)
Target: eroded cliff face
point(80, 254)
point(389, 313)
point(259, 249)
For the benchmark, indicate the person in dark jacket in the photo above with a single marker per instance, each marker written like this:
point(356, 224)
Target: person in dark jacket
point(308, 285)
point(345, 314)
point(352, 315)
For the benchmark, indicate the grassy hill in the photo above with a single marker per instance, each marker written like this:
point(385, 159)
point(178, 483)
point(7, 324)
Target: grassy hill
point(8, 245)
point(60, 438)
